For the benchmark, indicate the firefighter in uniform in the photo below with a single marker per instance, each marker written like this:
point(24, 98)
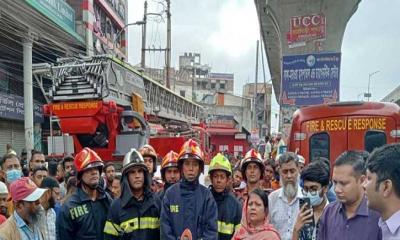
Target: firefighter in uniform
point(253, 171)
point(229, 208)
point(188, 206)
point(84, 214)
point(150, 160)
point(169, 172)
point(136, 214)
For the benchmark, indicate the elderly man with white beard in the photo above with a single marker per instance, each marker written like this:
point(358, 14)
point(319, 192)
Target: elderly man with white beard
point(284, 202)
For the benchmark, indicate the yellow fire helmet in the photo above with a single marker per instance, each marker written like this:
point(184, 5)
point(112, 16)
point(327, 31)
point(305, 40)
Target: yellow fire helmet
point(220, 162)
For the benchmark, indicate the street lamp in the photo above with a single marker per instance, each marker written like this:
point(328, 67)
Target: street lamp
point(368, 94)
point(127, 25)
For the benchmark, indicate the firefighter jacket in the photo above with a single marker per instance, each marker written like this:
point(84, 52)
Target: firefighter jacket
point(229, 213)
point(130, 218)
point(161, 193)
point(189, 205)
point(82, 218)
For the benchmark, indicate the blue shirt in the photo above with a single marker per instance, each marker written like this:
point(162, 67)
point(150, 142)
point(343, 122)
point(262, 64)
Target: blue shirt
point(25, 231)
point(334, 224)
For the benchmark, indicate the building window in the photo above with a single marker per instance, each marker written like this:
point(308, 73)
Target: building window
point(222, 86)
point(198, 85)
point(223, 148)
point(182, 93)
point(374, 139)
point(237, 149)
point(213, 85)
point(203, 85)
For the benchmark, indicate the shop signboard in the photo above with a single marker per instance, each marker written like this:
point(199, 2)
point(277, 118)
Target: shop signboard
point(12, 107)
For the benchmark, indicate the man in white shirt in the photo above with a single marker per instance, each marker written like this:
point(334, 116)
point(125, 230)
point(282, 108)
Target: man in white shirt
point(284, 202)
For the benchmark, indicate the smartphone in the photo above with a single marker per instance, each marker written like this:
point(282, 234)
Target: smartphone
point(307, 230)
point(306, 201)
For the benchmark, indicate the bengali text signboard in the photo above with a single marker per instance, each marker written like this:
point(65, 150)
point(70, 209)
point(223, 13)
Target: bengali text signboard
point(310, 79)
point(12, 107)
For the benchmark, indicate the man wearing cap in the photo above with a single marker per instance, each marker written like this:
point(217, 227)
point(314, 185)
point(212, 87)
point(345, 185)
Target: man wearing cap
point(302, 162)
point(229, 208)
point(25, 222)
point(3, 202)
point(169, 172)
point(252, 171)
point(136, 214)
point(84, 214)
point(188, 206)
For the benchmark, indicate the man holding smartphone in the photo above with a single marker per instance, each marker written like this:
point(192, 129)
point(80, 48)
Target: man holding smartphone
point(315, 178)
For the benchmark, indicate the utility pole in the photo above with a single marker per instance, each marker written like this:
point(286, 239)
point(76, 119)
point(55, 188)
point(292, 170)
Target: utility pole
point(369, 83)
point(255, 89)
point(143, 59)
point(168, 60)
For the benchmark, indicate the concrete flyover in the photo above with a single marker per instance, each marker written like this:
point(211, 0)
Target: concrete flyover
point(394, 96)
point(277, 16)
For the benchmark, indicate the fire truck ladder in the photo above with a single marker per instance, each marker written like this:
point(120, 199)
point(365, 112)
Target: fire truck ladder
point(106, 78)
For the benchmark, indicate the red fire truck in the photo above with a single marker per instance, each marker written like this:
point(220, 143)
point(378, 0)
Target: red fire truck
point(104, 103)
point(328, 130)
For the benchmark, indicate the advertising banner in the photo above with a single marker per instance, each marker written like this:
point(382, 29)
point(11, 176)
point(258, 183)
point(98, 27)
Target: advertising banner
point(58, 11)
point(310, 79)
point(306, 28)
point(12, 107)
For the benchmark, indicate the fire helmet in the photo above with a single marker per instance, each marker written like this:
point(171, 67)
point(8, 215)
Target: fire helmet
point(133, 158)
point(191, 149)
point(220, 162)
point(87, 159)
point(252, 156)
point(169, 160)
point(148, 151)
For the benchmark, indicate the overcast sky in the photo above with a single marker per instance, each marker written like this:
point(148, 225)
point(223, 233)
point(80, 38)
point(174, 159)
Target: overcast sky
point(225, 32)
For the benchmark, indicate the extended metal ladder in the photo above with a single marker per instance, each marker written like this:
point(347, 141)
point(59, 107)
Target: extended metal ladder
point(106, 78)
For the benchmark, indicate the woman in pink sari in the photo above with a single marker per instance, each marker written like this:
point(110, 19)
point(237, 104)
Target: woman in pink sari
point(254, 224)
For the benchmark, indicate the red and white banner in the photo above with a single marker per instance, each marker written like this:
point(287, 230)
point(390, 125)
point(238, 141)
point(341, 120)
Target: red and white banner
point(306, 28)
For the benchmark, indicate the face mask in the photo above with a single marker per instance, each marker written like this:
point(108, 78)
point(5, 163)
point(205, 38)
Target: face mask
point(315, 200)
point(13, 175)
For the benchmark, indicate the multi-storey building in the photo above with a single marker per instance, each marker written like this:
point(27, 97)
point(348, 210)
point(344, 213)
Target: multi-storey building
point(262, 102)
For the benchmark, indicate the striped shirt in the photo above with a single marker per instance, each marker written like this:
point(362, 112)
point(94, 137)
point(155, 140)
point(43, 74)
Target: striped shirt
point(283, 214)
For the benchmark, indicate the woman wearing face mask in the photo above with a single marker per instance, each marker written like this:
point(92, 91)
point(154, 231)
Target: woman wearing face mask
point(315, 178)
point(254, 224)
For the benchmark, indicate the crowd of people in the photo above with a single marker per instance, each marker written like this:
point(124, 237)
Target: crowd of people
point(260, 197)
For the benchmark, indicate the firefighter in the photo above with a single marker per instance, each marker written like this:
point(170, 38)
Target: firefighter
point(136, 214)
point(229, 208)
point(150, 160)
point(253, 171)
point(169, 172)
point(188, 206)
point(84, 214)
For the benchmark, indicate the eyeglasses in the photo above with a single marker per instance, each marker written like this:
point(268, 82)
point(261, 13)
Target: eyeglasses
point(312, 193)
